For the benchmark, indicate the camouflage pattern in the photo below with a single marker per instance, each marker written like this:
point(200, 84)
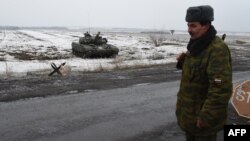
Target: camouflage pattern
point(205, 89)
point(93, 47)
point(94, 51)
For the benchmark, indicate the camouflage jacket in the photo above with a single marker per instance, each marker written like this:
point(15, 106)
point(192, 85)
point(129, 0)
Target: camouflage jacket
point(205, 89)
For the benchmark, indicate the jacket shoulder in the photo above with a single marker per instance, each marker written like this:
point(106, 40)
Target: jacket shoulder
point(219, 50)
point(218, 43)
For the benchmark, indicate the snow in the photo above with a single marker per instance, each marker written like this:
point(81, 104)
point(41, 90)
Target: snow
point(136, 49)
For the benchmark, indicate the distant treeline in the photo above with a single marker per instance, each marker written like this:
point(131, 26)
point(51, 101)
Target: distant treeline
point(47, 28)
point(33, 28)
point(9, 28)
point(156, 32)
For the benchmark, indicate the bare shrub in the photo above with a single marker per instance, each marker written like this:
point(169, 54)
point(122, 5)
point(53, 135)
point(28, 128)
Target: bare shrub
point(168, 43)
point(9, 72)
point(157, 39)
point(23, 55)
point(2, 59)
point(117, 60)
point(156, 56)
point(99, 69)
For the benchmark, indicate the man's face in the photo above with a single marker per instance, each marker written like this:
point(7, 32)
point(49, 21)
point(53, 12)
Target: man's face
point(196, 30)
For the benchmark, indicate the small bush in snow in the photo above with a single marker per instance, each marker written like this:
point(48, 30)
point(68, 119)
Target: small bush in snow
point(157, 39)
point(156, 56)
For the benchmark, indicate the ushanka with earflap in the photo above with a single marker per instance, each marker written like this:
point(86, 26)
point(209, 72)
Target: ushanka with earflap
point(200, 13)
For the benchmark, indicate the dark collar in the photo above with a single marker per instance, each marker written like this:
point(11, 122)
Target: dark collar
point(196, 46)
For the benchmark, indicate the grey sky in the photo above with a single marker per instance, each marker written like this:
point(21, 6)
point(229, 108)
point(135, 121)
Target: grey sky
point(230, 15)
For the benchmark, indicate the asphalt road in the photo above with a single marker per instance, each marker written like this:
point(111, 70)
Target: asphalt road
point(143, 112)
point(104, 115)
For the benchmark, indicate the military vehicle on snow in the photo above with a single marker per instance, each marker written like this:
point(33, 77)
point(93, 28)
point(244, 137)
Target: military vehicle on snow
point(93, 47)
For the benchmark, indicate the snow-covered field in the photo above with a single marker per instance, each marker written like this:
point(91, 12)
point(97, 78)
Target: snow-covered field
point(25, 52)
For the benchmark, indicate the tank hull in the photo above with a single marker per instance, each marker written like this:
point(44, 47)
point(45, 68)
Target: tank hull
point(94, 51)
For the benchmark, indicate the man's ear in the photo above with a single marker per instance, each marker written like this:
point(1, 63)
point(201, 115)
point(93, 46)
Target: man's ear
point(206, 27)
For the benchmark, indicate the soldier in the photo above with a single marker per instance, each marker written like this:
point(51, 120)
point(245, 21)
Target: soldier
point(86, 34)
point(97, 38)
point(86, 39)
point(206, 83)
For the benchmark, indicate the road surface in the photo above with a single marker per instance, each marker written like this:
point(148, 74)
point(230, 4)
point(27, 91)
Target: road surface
point(143, 111)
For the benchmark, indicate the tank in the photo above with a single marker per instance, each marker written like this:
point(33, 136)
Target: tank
point(93, 47)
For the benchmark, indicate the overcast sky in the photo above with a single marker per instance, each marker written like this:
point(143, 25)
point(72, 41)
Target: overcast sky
point(230, 15)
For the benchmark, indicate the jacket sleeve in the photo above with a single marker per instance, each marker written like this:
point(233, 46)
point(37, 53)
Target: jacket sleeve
point(219, 71)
